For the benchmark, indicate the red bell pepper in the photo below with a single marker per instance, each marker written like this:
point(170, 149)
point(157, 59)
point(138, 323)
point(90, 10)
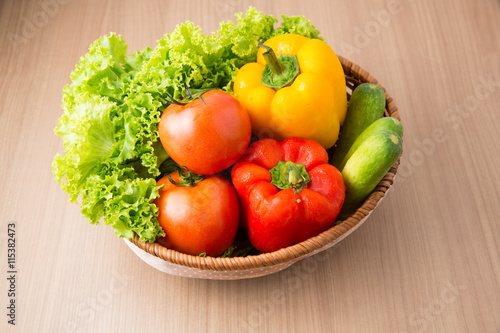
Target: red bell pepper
point(288, 192)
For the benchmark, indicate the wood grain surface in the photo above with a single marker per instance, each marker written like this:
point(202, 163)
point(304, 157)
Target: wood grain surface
point(427, 260)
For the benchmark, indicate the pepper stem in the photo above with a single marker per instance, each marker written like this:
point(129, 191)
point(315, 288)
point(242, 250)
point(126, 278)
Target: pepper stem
point(280, 71)
point(295, 179)
point(290, 175)
point(272, 60)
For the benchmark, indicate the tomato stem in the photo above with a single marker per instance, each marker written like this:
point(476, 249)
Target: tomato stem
point(188, 92)
point(169, 99)
point(188, 179)
point(189, 96)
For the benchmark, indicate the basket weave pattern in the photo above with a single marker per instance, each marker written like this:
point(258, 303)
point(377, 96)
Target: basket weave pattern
point(177, 263)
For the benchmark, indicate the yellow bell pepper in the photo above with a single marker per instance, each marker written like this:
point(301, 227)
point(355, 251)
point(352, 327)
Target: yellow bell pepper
point(300, 92)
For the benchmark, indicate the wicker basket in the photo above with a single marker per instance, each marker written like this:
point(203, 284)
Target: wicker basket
point(176, 263)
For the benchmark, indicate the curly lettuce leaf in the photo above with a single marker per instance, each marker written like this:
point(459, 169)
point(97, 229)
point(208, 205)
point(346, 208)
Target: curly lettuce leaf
point(101, 72)
point(298, 25)
point(88, 136)
point(202, 61)
point(100, 138)
point(125, 202)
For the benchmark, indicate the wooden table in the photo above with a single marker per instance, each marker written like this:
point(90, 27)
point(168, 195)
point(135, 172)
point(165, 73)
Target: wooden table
point(427, 260)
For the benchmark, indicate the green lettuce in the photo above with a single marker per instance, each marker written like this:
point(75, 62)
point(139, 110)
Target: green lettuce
point(112, 107)
point(101, 145)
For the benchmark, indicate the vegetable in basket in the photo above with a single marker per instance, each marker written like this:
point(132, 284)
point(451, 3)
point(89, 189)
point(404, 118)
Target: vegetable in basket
point(288, 192)
point(207, 134)
point(300, 92)
point(368, 146)
point(367, 166)
point(385, 123)
point(366, 105)
point(199, 214)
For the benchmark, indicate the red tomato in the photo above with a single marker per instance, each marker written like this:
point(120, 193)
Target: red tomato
point(206, 136)
point(203, 218)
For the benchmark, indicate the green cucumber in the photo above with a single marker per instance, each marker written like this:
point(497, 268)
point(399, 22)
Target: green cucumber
point(367, 166)
point(385, 123)
point(366, 105)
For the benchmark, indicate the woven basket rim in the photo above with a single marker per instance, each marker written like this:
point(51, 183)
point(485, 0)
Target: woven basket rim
point(307, 247)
